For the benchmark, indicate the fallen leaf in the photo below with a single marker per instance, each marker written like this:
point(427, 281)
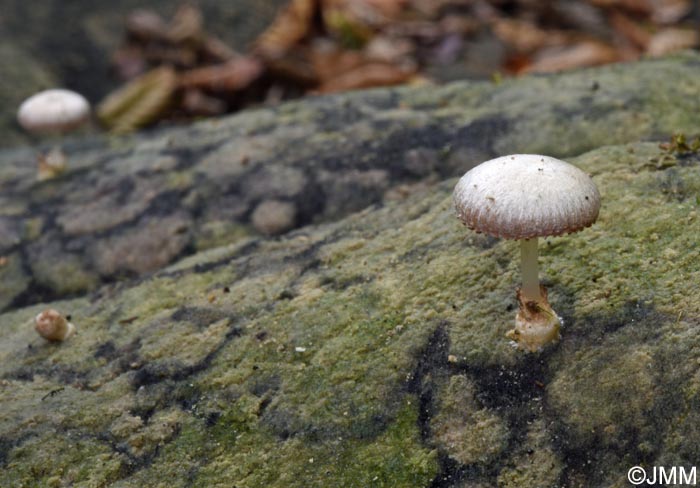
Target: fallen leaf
point(217, 51)
point(389, 8)
point(670, 11)
point(516, 64)
point(294, 66)
point(139, 102)
point(459, 24)
point(672, 39)
point(525, 36)
point(387, 49)
point(366, 76)
point(371, 13)
point(330, 60)
point(639, 7)
point(229, 77)
point(289, 27)
point(179, 56)
point(630, 30)
point(583, 54)
point(187, 25)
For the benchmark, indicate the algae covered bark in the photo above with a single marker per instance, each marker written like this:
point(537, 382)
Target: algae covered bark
point(174, 192)
point(339, 355)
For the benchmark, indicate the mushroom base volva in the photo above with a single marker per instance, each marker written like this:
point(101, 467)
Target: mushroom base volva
point(536, 324)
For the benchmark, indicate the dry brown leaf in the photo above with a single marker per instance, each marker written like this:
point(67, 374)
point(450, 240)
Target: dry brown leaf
point(673, 39)
point(525, 36)
point(329, 60)
point(370, 13)
point(187, 25)
point(459, 24)
point(139, 102)
point(386, 49)
point(367, 76)
point(389, 8)
point(639, 7)
point(214, 49)
point(294, 66)
point(183, 56)
point(518, 63)
point(670, 11)
point(289, 27)
point(231, 76)
point(583, 54)
point(630, 30)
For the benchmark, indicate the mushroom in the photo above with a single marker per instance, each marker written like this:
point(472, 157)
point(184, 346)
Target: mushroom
point(53, 326)
point(55, 111)
point(523, 197)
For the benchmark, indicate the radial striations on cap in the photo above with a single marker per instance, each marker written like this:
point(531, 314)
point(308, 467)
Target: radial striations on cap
point(522, 196)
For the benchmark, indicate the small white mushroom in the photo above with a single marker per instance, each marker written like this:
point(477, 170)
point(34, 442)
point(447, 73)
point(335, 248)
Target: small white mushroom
point(53, 326)
point(523, 197)
point(55, 111)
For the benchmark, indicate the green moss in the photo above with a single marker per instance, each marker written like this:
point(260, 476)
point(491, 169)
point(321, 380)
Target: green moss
point(467, 433)
point(13, 279)
point(287, 362)
point(33, 228)
point(63, 273)
point(220, 233)
point(393, 459)
point(535, 463)
point(52, 461)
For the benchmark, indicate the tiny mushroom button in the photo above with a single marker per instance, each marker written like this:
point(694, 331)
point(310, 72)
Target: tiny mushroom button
point(53, 326)
point(523, 197)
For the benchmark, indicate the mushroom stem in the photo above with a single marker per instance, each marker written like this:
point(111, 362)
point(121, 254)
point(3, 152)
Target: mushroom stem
point(52, 164)
point(530, 269)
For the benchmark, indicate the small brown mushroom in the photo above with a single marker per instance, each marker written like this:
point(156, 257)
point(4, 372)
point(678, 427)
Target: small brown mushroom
point(53, 326)
point(523, 197)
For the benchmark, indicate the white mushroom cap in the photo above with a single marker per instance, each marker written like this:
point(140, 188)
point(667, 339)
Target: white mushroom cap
point(522, 196)
point(56, 110)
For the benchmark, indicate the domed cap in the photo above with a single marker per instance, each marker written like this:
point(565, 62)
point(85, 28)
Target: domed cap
point(522, 196)
point(56, 110)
